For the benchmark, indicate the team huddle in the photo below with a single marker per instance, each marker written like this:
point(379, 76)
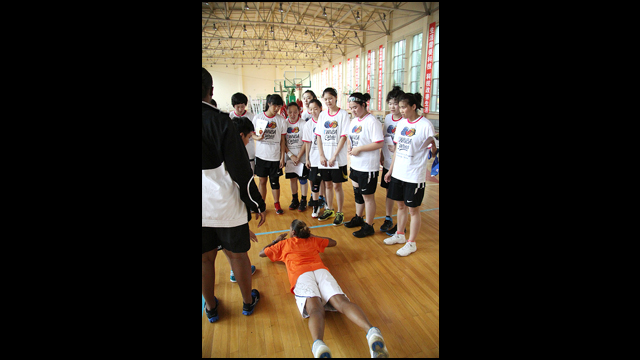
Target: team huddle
point(311, 147)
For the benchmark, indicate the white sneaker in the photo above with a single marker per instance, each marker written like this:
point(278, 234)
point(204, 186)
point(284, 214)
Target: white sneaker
point(395, 239)
point(407, 249)
point(376, 344)
point(320, 349)
point(316, 210)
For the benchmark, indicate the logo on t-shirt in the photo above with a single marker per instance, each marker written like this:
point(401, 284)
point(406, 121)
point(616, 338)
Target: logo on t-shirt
point(408, 132)
point(391, 129)
point(271, 125)
point(357, 129)
point(294, 130)
point(330, 124)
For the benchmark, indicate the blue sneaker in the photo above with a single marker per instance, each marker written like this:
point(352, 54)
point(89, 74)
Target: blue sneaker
point(393, 230)
point(232, 277)
point(212, 314)
point(247, 309)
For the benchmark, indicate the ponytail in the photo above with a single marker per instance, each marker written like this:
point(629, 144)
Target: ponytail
point(300, 229)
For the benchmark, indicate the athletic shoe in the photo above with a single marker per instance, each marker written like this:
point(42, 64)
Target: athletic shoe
point(365, 230)
point(294, 204)
point(247, 309)
point(387, 225)
point(314, 213)
point(303, 205)
point(320, 349)
point(327, 214)
point(322, 202)
point(212, 314)
point(377, 348)
point(339, 219)
point(395, 239)
point(355, 221)
point(279, 210)
point(408, 248)
point(394, 229)
point(232, 277)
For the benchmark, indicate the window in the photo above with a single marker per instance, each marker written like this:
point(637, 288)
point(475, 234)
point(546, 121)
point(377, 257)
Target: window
point(434, 106)
point(398, 64)
point(416, 55)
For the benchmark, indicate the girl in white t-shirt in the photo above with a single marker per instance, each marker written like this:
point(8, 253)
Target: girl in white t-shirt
point(307, 96)
point(270, 146)
point(332, 128)
point(312, 156)
point(365, 140)
point(386, 155)
point(408, 171)
point(239, 102)
point(295, 149)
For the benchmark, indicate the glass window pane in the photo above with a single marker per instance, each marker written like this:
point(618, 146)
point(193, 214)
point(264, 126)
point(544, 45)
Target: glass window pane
point(432, 104)
point(436, 70)
point(435, 88)
point(437, 34)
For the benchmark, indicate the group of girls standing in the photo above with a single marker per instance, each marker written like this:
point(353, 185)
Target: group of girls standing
point(323, 139)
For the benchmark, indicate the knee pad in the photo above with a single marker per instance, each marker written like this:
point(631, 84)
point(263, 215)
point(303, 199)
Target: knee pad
point(302, 181)
point(316, 187)
point(357, 194)
point(275, 182)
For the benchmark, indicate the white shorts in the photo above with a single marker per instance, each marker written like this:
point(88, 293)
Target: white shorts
point(318, 283)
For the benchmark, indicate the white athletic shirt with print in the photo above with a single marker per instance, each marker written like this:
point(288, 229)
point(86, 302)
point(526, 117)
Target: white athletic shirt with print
point(308, 136)
point(269, 147)
point(251, 145)
point(364, 132)
point(306, 116)
point(411, 150)
point(294, 136)
point(332, 128)
point(388, 129)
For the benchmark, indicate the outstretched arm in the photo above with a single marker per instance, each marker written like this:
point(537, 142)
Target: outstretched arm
point(331, 241)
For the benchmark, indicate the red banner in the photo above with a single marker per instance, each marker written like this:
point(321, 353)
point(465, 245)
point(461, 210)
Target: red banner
point(380, 77)
point(427, 75)
point(369, 72)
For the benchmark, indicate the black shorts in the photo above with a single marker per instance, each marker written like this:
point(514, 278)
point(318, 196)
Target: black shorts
point(305, 174)
point(411, 193)
point(383, 183)
point(314, 175)
point(266, 168)
point(234, 239)
point(334, 175)
point(367, 181)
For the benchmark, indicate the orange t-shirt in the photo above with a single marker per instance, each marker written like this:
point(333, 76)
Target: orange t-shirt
point(298, 255)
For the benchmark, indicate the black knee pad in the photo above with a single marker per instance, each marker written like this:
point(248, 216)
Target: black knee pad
point(316, 187)
point(357, 194)
point(275, 182)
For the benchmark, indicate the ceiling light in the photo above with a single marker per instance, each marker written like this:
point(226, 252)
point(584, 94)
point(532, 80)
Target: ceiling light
point(246, 7)
point(243, 44)
point(244, 28)
point(215, 28)
point(357, 15)
point(324, 12)
point(317, 46)
point(356, 34)
point(334, 33)
point(281, 8)
point(384, 17)
point(306, 32)
point(271, 29)
point(296, 44)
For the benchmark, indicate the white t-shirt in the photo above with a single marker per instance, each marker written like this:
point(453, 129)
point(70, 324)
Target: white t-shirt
point(294, 136)
point(388, 129)
point(306, 116)
point(411, 150)
point(332, 128)
point(308, 136)
point(364, 132)
point(251, 145)
point(269, 147)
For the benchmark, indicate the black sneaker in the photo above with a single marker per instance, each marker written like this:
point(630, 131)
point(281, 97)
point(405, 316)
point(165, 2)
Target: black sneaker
point(303, 205)
point(294, 204)
point(355, 221)
point(386, 226)
point(212, 314)
point(393, 230)
point(247, 309)
point(365, 230)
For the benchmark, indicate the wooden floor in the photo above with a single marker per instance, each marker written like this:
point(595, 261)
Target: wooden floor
point(399, 295)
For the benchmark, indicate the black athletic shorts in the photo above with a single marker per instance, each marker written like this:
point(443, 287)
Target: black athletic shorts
point(411, 193)
point(235, 239)
point(265, 168)
point(314, 175)
point(292, 175)
point(367, 181)
point(334, 175)
point(383, 183)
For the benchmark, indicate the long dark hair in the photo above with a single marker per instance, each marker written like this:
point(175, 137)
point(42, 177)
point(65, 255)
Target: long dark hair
point(394, 93)
point(300, 229)
point(274, 99)
point(412, 99)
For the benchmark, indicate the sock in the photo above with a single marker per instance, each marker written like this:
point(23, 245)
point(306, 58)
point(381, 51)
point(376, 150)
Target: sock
point(387, 218)
point(303, 198)
point(399, 233)
point(295, 196)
